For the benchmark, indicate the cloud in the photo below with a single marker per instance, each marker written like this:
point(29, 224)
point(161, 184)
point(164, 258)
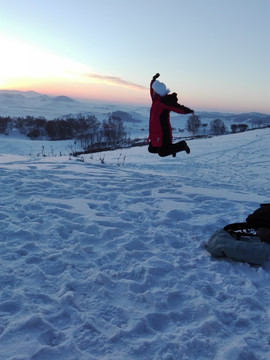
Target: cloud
point(116, 81)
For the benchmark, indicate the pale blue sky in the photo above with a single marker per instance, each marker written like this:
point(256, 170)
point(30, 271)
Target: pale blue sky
point(214, 53)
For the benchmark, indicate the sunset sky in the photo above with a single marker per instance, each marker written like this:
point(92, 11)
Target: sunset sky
point(214, 53)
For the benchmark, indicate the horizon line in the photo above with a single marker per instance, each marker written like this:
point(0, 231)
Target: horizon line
point(130, 103)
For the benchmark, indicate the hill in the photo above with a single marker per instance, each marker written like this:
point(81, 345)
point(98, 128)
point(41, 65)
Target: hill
point(20, 103)
point(104, 258)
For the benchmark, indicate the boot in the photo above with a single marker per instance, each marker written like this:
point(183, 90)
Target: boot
point(186, 147)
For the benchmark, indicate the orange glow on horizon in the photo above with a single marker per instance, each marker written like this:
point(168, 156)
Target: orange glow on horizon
point(30, 69)
point(81, 91)
point(27, 68)
point(109, 94)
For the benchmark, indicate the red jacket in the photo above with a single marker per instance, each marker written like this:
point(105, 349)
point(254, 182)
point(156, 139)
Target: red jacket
point(161, 109)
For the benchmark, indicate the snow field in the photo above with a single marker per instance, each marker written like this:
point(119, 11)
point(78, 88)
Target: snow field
point(107, 261)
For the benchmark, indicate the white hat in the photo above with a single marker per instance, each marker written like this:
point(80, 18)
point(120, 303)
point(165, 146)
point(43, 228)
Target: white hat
point(160, 88)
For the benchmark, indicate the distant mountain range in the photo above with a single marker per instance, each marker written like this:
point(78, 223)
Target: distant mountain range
point(237, 118)
point(22, 103)
point(16, 103)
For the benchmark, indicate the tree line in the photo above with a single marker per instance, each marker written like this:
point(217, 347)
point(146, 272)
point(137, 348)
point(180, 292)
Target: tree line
point(86, 129)
point(217, 126)
point(93, 134)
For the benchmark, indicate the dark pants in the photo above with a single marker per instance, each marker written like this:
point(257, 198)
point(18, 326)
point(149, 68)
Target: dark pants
point(169, 149)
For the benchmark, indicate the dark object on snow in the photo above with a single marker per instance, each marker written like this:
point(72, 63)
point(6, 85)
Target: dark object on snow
point(260, 217)
point(248, 241)
point(256, 224)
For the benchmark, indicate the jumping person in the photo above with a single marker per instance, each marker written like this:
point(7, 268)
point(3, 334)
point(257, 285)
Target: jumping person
point(160, 130)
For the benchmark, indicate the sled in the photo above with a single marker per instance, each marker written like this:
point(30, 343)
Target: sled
point(247, 241)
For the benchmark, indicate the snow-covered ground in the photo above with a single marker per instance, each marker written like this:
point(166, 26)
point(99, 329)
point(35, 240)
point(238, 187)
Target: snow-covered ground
point(108, 260)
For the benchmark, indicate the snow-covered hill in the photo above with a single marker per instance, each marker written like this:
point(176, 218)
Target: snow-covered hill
point(104, 258)
point(23, 103)
point(135, 118)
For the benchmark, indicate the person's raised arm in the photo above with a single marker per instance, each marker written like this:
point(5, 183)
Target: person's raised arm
point(151, 90)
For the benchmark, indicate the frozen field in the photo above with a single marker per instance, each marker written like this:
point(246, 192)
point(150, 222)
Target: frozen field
point(107, 260)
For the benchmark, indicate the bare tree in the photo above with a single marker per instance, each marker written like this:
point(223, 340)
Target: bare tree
point(217, 127)
point(193, 123)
